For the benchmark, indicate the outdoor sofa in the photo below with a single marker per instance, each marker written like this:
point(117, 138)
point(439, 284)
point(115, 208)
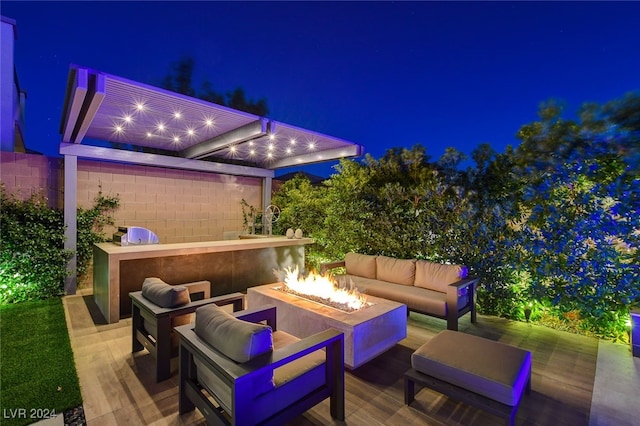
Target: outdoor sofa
point(435, 289)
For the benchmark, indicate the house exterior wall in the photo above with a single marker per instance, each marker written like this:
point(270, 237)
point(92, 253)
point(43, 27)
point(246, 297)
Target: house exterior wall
point(7, 83)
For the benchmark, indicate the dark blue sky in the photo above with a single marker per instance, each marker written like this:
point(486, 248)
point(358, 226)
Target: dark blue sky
point(381, 74)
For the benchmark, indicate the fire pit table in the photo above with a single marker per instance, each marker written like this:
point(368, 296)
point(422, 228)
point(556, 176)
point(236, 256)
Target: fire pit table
point(368, 332)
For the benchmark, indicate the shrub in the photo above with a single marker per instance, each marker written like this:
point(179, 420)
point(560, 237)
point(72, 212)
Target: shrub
point(33, 262)
point(91, 223)
point(553, 226)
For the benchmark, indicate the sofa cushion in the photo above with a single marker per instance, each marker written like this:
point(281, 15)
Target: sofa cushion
point(437, 276)
point(163, 294)
point(362, 265)
point(237, 339)
point(398, 271)
point(416, 298)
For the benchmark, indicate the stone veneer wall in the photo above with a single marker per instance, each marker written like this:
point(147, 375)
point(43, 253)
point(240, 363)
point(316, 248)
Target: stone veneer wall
point(178, 205)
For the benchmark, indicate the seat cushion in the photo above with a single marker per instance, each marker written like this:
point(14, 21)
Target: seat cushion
point(163, 294)
point(437, 276)
point(361, 265)
point(488, 368)
point(296, 368)
point(279, 387)
point(416, 299)
point(397, 271)
point(239, 340)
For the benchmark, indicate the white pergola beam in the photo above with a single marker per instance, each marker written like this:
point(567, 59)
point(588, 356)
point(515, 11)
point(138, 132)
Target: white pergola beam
point(244, 133)
point(90, 105)
point(76, 91)
point(319, 156)
point(117, 155)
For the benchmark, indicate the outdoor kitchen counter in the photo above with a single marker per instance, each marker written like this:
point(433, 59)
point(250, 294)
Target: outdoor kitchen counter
point(230, 265)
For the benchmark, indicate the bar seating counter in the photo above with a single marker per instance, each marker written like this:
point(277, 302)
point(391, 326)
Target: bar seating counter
point(230, 265)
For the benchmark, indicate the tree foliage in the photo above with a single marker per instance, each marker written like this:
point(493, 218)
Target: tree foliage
point(552, 224)
point(580, 241)
point(180, 80)
point(91, 223)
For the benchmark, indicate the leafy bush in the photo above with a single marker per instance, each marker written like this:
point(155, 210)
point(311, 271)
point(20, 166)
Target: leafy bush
point(91, 223)
point(33, 262)
point(553, 226)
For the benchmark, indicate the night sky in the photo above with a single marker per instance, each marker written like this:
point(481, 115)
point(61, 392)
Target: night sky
point(380, 74)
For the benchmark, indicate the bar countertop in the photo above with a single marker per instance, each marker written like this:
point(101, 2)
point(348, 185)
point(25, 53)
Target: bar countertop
point(228, 264)
point(153, 250)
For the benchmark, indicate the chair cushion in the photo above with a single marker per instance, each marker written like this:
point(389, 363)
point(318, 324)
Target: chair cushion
point(362, 265)
point(239, 340)
point(437, 276)
point(294, 369)
point(492, 369)
point(397, 271)
point(163, 294)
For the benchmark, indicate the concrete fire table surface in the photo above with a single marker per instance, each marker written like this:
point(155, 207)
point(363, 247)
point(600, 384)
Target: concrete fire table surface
point(368, 332)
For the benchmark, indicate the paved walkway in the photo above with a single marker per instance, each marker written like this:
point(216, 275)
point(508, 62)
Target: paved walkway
point(616, 391)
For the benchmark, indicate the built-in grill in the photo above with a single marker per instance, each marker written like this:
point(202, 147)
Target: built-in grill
point(134, 235)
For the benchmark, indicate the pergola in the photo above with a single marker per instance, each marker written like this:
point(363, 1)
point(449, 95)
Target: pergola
point(111, 118)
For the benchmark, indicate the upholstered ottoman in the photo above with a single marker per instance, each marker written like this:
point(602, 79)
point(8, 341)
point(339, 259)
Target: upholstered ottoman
point(480, 372)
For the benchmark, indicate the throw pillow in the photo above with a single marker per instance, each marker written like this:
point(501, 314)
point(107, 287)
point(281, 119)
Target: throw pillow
point(163, 294)
point(239, 340)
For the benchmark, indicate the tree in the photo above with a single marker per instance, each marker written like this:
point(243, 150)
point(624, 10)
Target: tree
point(580, 241)
point(180, 80)
point(555, 220)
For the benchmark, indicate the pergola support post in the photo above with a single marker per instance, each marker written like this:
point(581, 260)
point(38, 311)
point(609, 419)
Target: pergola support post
point(70, 220)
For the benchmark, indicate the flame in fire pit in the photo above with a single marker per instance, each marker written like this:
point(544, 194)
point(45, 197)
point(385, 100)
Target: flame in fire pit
point(322, 287)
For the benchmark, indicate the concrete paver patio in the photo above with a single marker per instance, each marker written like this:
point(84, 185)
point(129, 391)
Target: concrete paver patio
point(576, 379)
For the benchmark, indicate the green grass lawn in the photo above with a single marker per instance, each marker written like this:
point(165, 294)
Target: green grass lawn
point(38, 374)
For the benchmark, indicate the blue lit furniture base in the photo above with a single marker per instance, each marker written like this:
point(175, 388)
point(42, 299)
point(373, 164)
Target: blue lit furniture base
point(477, 371)
point(230, 393)
point(635, 331)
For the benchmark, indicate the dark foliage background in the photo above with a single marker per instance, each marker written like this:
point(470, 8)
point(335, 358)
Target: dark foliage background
point(553, 225)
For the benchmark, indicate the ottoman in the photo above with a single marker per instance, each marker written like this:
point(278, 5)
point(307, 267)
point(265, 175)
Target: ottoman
point(480, 372)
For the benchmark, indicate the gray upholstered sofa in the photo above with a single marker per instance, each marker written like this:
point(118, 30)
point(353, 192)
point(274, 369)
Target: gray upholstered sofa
point(439, 290)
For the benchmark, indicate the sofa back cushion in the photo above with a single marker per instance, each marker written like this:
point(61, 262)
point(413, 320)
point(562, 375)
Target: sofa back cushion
point(239, 340)
point(163, 294)
point(362, 265)
point(437, 276)
point(397, 271)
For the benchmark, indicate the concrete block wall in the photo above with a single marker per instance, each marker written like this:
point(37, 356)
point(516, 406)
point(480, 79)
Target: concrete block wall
point(178, 205)
point(26, 174)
